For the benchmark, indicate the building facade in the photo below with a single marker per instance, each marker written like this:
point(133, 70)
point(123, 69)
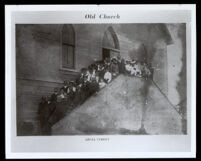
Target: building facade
point(46, 55)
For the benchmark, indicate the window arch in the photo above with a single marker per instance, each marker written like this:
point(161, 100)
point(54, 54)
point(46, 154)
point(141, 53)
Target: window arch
point(68, 47)
point(110, 39)
point(110, 44)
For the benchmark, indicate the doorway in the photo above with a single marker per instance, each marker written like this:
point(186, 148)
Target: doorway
point(110, 44)
point(105, 53)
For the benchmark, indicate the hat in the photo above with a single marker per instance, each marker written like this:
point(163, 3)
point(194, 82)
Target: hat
point(114, 59)
point(71, 82)
point(133, 61)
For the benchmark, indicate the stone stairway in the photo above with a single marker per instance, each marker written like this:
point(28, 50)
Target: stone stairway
point(128, 105)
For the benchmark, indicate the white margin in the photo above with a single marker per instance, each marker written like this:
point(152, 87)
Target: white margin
point(9, 9)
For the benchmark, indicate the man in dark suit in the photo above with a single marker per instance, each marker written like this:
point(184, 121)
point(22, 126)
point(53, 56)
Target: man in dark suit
point(71, 92)
point(119, 62)
point(122, 68)
point(65, 87)
point(53, 98)
point(114, 68)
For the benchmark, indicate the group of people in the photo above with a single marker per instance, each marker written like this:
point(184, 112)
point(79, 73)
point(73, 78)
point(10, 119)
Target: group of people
point(94, 78)
point(138, 69)
point(90, 81)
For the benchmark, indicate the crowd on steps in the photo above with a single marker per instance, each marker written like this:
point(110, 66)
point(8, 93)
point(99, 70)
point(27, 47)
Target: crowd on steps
point(89, 82)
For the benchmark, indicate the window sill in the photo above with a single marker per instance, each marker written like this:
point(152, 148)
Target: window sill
point(69, 71)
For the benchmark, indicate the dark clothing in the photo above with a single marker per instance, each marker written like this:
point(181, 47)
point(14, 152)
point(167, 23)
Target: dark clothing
point(44, 112)
point(53, 98)
point(102, 73)
point(114, 68)
point(93, 87)
point(119, 66)
point(65, 89)
point(80, 78)
point(77, 97)
point(123, 69)
point(71, 93)
point(83, 93)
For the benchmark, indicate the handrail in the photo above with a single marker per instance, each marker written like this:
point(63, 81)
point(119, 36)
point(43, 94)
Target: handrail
point(165, 96)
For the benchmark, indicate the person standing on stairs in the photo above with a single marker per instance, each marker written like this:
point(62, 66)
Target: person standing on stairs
point(128, 67)
point(101, 83)
point(85, 85)
point(119, 63)
point(114, 67)
point(96, 81)
point(53, 98)
point(101, 71)
point(65, 87)
point(122, 68)
point(78, 95)
point(62, 95)
point(107, 62)
point(71, 93)
point(107, 76)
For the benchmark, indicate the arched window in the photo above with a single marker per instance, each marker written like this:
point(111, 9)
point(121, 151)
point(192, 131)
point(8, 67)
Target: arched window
point(110, 44)
point(68, 47)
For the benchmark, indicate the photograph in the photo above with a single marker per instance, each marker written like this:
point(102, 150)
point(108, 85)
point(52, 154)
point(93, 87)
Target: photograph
point(92, 79)
point(100, 81)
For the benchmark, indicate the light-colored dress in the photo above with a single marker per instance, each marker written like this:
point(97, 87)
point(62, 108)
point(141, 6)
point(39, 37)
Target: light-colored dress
point(108, 77)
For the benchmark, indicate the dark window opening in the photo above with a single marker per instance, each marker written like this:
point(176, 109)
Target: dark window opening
point(110, 44)
point(68, 47)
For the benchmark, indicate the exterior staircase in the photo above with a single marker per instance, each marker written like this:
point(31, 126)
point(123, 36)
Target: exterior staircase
point(126, 106)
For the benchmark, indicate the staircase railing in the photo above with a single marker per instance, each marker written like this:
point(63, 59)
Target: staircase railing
point(164, 95)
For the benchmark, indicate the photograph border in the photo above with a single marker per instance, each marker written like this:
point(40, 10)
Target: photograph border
point(17, 14)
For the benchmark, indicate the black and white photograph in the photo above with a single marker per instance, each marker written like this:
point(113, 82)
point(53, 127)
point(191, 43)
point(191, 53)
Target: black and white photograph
point(84, 79)
point(91, 78)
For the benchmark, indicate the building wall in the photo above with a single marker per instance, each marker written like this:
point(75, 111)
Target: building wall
point(38, 50)
point(177, 63)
